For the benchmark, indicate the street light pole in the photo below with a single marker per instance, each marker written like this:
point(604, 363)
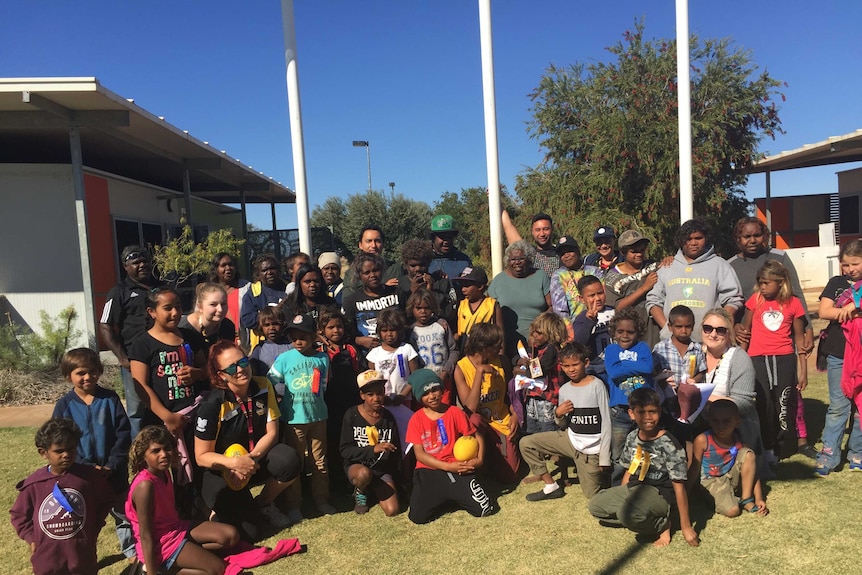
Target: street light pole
point(367, 146)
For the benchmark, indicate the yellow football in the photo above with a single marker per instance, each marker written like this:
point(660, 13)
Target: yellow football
point(235, 450)
point(466, 448)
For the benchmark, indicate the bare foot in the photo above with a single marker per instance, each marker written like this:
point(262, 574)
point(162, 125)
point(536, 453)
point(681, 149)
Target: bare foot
point(663, 539)
point(531, 479)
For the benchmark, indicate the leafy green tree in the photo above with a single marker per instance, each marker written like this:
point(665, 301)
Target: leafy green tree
point(182, 258)
point(399, 217)
point(609, 131)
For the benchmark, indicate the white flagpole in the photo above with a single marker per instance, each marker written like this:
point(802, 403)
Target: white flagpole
point(296, 141)
point(491, 154)
point(686, 193)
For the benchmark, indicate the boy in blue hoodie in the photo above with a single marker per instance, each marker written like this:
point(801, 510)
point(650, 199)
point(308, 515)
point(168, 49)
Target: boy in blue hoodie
point(629, 366)
point(106, 431)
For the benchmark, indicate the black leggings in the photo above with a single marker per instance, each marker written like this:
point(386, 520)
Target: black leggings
point(776, 402)
point(238, 508)
point(432, 488)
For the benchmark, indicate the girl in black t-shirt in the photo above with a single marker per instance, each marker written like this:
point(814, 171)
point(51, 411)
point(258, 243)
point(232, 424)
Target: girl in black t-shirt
point(164, 363)
point(362, 307)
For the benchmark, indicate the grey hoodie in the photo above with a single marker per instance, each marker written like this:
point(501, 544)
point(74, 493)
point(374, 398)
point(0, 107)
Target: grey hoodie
point(706, 283)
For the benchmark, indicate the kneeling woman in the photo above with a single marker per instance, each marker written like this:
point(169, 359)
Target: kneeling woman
point(242, 409)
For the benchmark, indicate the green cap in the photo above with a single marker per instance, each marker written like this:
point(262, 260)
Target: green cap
point(422, 381)
point(443, 223)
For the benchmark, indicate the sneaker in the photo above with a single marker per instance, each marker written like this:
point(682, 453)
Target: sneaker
point(821, 469)
point(541, 495)
point(275, 517)
point(326, 509)
point(855, 465)
point(361, 507)
point(295, 515)
point(808, 451)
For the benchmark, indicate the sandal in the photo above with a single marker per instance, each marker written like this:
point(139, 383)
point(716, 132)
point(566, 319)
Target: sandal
point(746, 501)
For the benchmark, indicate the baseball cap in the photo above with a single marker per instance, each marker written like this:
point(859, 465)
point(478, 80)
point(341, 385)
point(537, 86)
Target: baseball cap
point(567, 244)
point(302, 323)
point(328, 258)
point(422, 381)
point(604, 232)
point(443, 223)
point(369, 376)
point(629, 238)
point(473, 274)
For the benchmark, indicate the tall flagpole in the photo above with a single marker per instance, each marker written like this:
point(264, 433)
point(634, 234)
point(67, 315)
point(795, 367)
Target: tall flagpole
point(491, 154)
point(296, 141)
point(686, 193)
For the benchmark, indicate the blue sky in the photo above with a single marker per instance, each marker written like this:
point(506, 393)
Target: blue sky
point(405, 75)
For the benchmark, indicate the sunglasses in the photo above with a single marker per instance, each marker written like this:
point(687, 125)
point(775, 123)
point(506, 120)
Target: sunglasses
point(231, 369)
point(718, 329)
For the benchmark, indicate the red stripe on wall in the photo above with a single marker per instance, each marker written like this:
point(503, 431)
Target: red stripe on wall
point(101, 240)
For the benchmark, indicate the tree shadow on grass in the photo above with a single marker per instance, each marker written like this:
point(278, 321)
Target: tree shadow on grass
point(796, 469)
point(109, 560)
point(618, 565)
point(815, 418)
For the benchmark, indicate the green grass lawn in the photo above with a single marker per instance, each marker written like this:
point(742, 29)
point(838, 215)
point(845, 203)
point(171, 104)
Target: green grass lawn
point(810, 529)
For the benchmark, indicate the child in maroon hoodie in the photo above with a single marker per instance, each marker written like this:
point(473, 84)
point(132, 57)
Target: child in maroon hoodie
point(61, 508)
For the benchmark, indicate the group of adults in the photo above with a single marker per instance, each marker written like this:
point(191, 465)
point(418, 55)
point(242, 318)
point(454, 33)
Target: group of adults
point(696, 277)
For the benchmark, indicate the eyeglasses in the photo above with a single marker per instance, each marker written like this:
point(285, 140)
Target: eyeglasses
point(136, 256)
point(517, 260)
point(231, 369)
point(720, 330)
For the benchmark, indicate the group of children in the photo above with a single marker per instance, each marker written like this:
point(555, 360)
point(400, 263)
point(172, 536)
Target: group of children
point(591, 392)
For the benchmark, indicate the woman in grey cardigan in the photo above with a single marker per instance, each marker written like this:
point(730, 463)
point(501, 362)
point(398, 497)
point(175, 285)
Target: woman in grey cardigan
point(731, 370)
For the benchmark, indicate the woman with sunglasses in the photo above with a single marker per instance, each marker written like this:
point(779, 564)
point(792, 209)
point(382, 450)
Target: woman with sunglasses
point(242, 409)
point(729, 368)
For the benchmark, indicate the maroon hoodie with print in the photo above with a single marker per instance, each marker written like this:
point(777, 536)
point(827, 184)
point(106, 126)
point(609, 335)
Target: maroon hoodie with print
point(63, 515)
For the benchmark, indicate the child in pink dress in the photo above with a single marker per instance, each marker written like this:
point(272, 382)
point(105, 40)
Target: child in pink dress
point(164, 541)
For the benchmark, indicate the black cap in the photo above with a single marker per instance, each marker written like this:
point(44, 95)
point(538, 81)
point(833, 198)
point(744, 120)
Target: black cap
point(473, 274)
point(604, 232)
point(567, 244)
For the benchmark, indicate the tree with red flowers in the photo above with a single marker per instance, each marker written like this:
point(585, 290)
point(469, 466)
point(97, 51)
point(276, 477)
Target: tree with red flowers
point(609, 131)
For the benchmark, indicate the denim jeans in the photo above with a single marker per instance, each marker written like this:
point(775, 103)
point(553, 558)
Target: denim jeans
point(124, 531)
point(621, 426)
point(836, 420)
point(135, 408)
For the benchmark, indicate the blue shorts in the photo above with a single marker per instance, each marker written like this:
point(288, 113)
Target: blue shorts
point(169, 562)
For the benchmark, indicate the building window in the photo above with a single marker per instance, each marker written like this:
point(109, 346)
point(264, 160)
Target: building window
point(849, 215)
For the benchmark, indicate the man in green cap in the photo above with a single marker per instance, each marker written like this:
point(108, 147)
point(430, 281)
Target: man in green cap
point(447, 258)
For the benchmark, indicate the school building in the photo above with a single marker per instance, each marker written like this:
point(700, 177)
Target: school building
point(811, 227)
point(85, 172)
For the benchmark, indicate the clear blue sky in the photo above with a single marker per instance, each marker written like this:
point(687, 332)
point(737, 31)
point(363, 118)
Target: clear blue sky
point(405, 75)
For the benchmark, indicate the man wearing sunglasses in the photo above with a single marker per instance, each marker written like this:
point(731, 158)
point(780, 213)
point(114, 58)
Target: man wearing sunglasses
point(123, 320)
point(447, 258)
point(698, 278)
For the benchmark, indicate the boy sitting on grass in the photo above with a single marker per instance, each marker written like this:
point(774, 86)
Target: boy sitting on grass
point(654, 481)
point(61, 508)
point(584, 414)
point(727, 467)
point(439, 477)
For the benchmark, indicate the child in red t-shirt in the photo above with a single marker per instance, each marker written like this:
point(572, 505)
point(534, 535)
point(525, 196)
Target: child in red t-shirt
point(774, 317)
point(439, 477)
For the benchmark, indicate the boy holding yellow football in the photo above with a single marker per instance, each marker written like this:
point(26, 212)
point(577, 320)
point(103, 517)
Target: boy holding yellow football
point(370, 446)
point(440, 477)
